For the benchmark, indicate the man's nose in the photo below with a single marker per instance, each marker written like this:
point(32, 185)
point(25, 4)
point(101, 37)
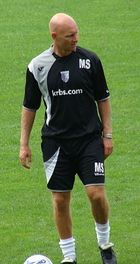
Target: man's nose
point(75, 38)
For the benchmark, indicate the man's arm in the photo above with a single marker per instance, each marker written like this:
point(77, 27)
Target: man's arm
point(27, 120)
point(105, 115)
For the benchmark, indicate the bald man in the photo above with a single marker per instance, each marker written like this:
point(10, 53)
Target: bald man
point(77, 132)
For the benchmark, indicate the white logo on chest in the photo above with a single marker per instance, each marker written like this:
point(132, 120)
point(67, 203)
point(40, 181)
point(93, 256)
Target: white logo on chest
point(84, 64)
point(64, 76)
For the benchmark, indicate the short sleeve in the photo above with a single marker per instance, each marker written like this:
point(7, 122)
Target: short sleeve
point(101, 91)
point(32, 95)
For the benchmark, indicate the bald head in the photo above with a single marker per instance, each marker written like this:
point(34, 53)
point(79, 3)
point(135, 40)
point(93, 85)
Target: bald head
point(60, 21)
point(64, 32)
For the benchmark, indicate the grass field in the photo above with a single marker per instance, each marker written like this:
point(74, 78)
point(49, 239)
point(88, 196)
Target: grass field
point(110, 28)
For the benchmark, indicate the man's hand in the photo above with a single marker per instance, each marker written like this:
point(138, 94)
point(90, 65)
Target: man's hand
point(27, 120)
point(108, 146)
point(25, 156)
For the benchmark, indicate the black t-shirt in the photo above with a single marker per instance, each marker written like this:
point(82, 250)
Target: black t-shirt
point(70, 87)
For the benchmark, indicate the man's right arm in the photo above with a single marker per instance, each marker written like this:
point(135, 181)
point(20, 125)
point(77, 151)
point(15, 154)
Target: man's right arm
point(27, 120)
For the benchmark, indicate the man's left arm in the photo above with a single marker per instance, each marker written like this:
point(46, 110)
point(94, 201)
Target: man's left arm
point(104, 108)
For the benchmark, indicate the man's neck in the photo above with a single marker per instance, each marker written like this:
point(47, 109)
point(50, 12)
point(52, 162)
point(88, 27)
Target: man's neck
point(61, 53)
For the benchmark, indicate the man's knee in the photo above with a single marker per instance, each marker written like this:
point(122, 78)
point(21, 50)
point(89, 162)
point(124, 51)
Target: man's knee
point(60, 201)
point(96, 193)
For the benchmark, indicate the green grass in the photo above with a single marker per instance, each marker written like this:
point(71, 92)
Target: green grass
point(111, 29)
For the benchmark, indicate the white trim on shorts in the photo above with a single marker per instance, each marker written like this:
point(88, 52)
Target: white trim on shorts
point(50, 164)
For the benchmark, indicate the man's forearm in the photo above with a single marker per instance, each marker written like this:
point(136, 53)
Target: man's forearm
point(27, 120)
point(105, 115)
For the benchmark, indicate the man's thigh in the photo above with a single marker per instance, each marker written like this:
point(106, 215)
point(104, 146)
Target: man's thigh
point(59, 169)
point(91, 168)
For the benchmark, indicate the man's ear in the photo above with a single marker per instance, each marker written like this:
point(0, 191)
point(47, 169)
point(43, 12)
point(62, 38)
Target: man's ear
point(53, 35)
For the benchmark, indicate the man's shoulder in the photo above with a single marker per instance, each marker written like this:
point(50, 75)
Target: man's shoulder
point(43, 57)
point(87, 53)
point(43, 61)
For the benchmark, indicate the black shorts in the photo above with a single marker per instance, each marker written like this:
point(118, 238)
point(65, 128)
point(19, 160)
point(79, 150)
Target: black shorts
point(63, 159)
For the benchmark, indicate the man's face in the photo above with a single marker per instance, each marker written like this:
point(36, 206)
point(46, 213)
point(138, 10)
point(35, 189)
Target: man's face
point(67, 38)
